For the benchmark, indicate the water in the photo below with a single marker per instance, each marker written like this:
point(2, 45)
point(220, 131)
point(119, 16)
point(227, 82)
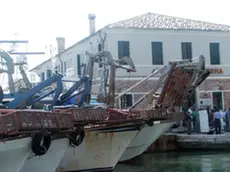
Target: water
point(179, 162)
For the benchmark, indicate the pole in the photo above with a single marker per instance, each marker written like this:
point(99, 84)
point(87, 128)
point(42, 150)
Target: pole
point(197, 97)
point(141, 81)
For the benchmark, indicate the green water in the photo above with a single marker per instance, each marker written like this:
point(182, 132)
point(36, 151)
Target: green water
point(179, 162)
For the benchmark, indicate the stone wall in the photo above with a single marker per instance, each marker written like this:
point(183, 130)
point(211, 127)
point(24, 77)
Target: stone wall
point(206, 88)
point(211, 84)
point(206, 95)
point(226, 99)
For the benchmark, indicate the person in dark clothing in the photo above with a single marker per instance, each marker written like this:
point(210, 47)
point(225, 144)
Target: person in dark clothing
point(195, 120)
point(227, 115)
point(188, 120)
point(209, 114)
point(217, 122)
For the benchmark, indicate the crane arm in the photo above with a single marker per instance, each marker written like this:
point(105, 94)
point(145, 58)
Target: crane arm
point(25, 78)
point(23, 100)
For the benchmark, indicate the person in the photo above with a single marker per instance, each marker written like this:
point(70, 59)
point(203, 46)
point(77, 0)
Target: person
point(188, 120)
point(209, 114)
point(222, 121)
point(217, 122)
point(227, 117)
point(195, 119)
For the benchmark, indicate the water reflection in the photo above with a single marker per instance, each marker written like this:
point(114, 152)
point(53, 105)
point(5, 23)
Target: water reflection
point(179, 162)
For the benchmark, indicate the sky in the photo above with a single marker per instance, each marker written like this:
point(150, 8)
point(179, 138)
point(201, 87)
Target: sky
point(41, 21)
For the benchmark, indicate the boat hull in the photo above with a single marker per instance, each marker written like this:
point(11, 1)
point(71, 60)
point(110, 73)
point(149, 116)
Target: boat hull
point(49, 161)
point(100, 150)
point(147, 136)
point(13, 154)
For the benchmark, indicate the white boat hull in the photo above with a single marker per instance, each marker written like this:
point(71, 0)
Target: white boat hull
point(49, 161)
point(13, 154)
point(100, 150)
point(147, 136)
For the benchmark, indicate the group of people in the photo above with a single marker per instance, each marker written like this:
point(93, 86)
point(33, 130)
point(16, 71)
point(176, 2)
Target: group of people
point(216, 118)
point(219, 117)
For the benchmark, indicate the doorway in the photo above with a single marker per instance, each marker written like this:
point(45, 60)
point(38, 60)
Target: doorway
point(126, 101)
point(217, 100)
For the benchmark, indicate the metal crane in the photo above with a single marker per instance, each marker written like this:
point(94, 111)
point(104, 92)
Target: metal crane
point(10, 69)
point(114, 64)
point(31, 96)
point(10, 65)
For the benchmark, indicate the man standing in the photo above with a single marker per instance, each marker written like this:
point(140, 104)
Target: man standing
point(195, 119)
point(217, 117)
point(227, 118)
point(188, 120)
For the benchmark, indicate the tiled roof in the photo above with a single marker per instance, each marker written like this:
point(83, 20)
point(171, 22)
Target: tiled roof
point(163, 22)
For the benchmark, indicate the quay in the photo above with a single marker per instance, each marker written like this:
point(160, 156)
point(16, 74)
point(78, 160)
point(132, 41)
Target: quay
point(182, 142)
point(185, 142)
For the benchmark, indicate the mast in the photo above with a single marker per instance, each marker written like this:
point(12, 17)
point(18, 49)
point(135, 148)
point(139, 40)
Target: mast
point(6, 55)
point(114, 64)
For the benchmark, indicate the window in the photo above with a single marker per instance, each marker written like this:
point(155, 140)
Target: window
point(48, 73)
point(42, 76)
point(157, 53)
point(99, 49)
point(126, 100)
point(32, 78)
point(123, 50)
point(65, 69)
point(214, 53)
point(186, 49)
point(79, 65)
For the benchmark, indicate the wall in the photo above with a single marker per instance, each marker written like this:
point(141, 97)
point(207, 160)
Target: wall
point(42, 68)
point(140, 48)
point(70, 56)
point(140, 44)
point(211, 85)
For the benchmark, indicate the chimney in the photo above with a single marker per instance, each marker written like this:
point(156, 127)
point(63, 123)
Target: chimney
point(91, 18)
point(60, 44)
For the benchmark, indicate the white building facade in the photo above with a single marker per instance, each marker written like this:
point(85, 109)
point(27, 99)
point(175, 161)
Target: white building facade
point(153, 40)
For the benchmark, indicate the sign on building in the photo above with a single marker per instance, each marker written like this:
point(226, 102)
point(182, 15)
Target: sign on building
point(216, 70)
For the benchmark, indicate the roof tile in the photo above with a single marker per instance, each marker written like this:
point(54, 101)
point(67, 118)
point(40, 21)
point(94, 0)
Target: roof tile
point(163, 22)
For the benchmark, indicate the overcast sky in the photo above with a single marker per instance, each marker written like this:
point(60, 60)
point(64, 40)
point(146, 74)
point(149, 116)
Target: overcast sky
point(41, 21)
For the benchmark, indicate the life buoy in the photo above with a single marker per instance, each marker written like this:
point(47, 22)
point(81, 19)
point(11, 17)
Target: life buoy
point(77, 137)
point(150, 122)
point(41, 142)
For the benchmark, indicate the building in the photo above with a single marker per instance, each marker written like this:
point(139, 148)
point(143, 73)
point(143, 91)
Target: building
point(152, 40)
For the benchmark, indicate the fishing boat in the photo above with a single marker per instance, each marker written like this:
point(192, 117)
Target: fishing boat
point(150, 132)
point(144, 139)
point(53, 156)
point(104, 142)
point(30, 138)
point(178, 79)
point(100, 150)
point(13, 153)
point(179, 83)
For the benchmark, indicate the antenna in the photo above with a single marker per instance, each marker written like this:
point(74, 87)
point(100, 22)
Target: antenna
point(51, 52)
point(13, 46)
